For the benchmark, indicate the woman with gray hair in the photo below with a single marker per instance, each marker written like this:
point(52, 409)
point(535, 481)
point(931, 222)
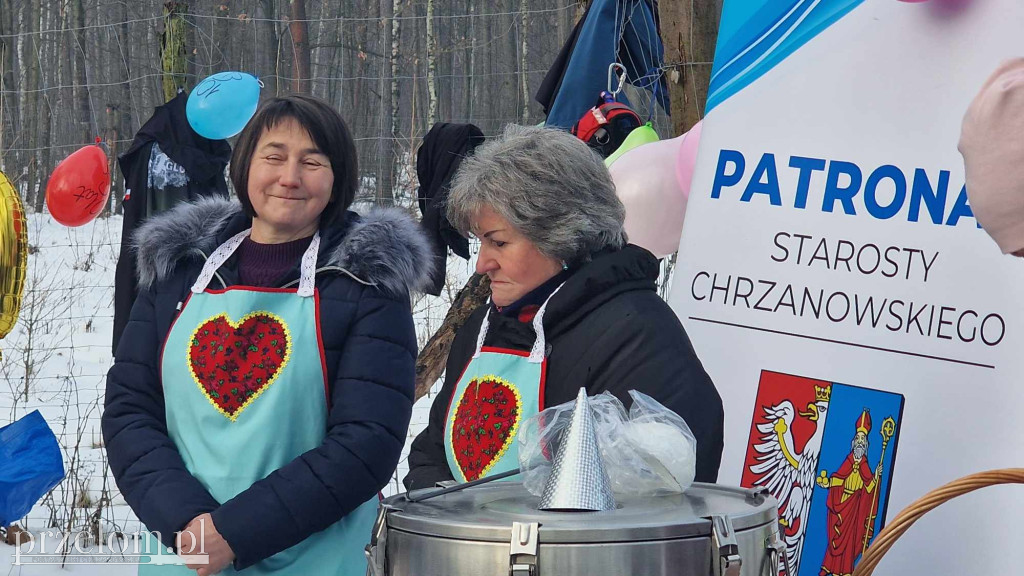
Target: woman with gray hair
point(572, 305)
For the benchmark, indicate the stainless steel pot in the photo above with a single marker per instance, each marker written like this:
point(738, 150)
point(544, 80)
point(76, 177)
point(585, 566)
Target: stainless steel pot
point(496, 530)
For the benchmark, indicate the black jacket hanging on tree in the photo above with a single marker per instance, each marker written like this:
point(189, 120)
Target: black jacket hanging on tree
point(437, 160)
point(167, 163)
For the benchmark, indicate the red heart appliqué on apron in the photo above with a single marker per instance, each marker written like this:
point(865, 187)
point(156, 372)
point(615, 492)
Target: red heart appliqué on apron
point(234, 362)
point(485, 424)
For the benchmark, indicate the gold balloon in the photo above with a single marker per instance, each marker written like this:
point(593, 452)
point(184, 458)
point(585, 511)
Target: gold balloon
point(13, 254)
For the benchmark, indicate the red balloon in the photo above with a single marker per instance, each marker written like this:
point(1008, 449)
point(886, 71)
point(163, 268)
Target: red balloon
point(79, 187)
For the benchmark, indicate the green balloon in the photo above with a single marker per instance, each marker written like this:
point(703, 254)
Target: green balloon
point(638, 137)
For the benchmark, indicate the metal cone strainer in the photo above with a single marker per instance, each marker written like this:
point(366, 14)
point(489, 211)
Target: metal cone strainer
point(578, 480)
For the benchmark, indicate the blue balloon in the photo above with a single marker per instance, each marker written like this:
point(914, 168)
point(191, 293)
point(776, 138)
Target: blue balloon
point(221, 105)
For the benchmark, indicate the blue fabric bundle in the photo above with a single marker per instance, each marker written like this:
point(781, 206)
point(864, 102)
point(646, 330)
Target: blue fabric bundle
point(30, 465)
point(622, 31)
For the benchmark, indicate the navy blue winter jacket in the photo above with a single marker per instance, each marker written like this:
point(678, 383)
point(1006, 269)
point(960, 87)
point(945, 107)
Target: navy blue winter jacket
point(366, 270)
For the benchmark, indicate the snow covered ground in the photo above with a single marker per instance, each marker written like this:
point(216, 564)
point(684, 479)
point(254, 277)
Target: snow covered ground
point(55, 360)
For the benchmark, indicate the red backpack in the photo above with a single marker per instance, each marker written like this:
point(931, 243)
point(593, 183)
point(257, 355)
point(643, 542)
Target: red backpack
point(606, 125)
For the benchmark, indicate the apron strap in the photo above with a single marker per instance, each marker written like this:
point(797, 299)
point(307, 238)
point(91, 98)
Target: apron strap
point(539, 344)
point(483, 330)
point(307, 268)
point(217, 259)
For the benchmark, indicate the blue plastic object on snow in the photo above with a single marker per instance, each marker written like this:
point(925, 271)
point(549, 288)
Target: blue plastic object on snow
point(30, 465)
point(222, 104)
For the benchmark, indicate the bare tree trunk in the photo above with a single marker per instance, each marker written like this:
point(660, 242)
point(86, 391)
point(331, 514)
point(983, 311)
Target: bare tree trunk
point(523, 59)
point(387, 154)
point(270, 47)
point(431, 360)
point(83, 106)
point(8, 90)
point(560, 25)
point(3, 103)
point(319, 61)
point(396, 42)
point(689, 31)
point(65, 70)
point(31, 110)
point(336, 68)
point(508, 60)
point(122, 127)
point(172, 47)
point(192, 66)
point(222, 36)
point(45, 107)
point(6, 44)
point(447, 96)
point(471, 58)
point(491, 88)
point(112, 132)
point(431, 66)
point(300, 47)
point(360, 40)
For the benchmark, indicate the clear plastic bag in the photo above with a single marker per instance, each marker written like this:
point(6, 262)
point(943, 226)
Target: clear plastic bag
point(648, 451)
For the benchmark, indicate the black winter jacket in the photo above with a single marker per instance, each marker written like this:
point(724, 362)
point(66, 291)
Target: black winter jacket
point(202, 160)
point(370, 348)
point(606, 329)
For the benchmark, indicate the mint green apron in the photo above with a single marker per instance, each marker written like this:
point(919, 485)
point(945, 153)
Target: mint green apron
point(497, 392)
point(245, 390)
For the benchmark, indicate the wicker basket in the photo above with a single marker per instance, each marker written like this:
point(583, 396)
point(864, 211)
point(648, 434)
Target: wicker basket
point(905, 519)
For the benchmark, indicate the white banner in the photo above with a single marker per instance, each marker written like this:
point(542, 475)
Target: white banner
point(866, 335)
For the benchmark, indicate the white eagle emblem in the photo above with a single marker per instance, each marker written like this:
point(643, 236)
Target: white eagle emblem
point(787, 474)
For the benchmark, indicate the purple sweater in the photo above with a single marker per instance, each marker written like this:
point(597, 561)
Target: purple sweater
point(263, 265)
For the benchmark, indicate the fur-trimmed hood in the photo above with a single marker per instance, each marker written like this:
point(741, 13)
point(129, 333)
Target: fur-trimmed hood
point(384, 247)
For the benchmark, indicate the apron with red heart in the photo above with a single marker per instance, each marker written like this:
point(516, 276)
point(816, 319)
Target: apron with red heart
point(497, 392)
point(245, 390)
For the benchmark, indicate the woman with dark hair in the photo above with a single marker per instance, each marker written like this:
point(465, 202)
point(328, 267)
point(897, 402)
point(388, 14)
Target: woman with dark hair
point(572, 305)
point(262, 391)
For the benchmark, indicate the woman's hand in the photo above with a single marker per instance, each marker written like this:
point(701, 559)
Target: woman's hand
point(201, 537)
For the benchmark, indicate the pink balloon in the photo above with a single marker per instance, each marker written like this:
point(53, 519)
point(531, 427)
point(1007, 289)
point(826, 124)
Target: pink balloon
point(647, 183)
point(687, 161)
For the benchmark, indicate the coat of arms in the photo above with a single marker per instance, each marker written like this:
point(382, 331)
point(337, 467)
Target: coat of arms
point(813, 446)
